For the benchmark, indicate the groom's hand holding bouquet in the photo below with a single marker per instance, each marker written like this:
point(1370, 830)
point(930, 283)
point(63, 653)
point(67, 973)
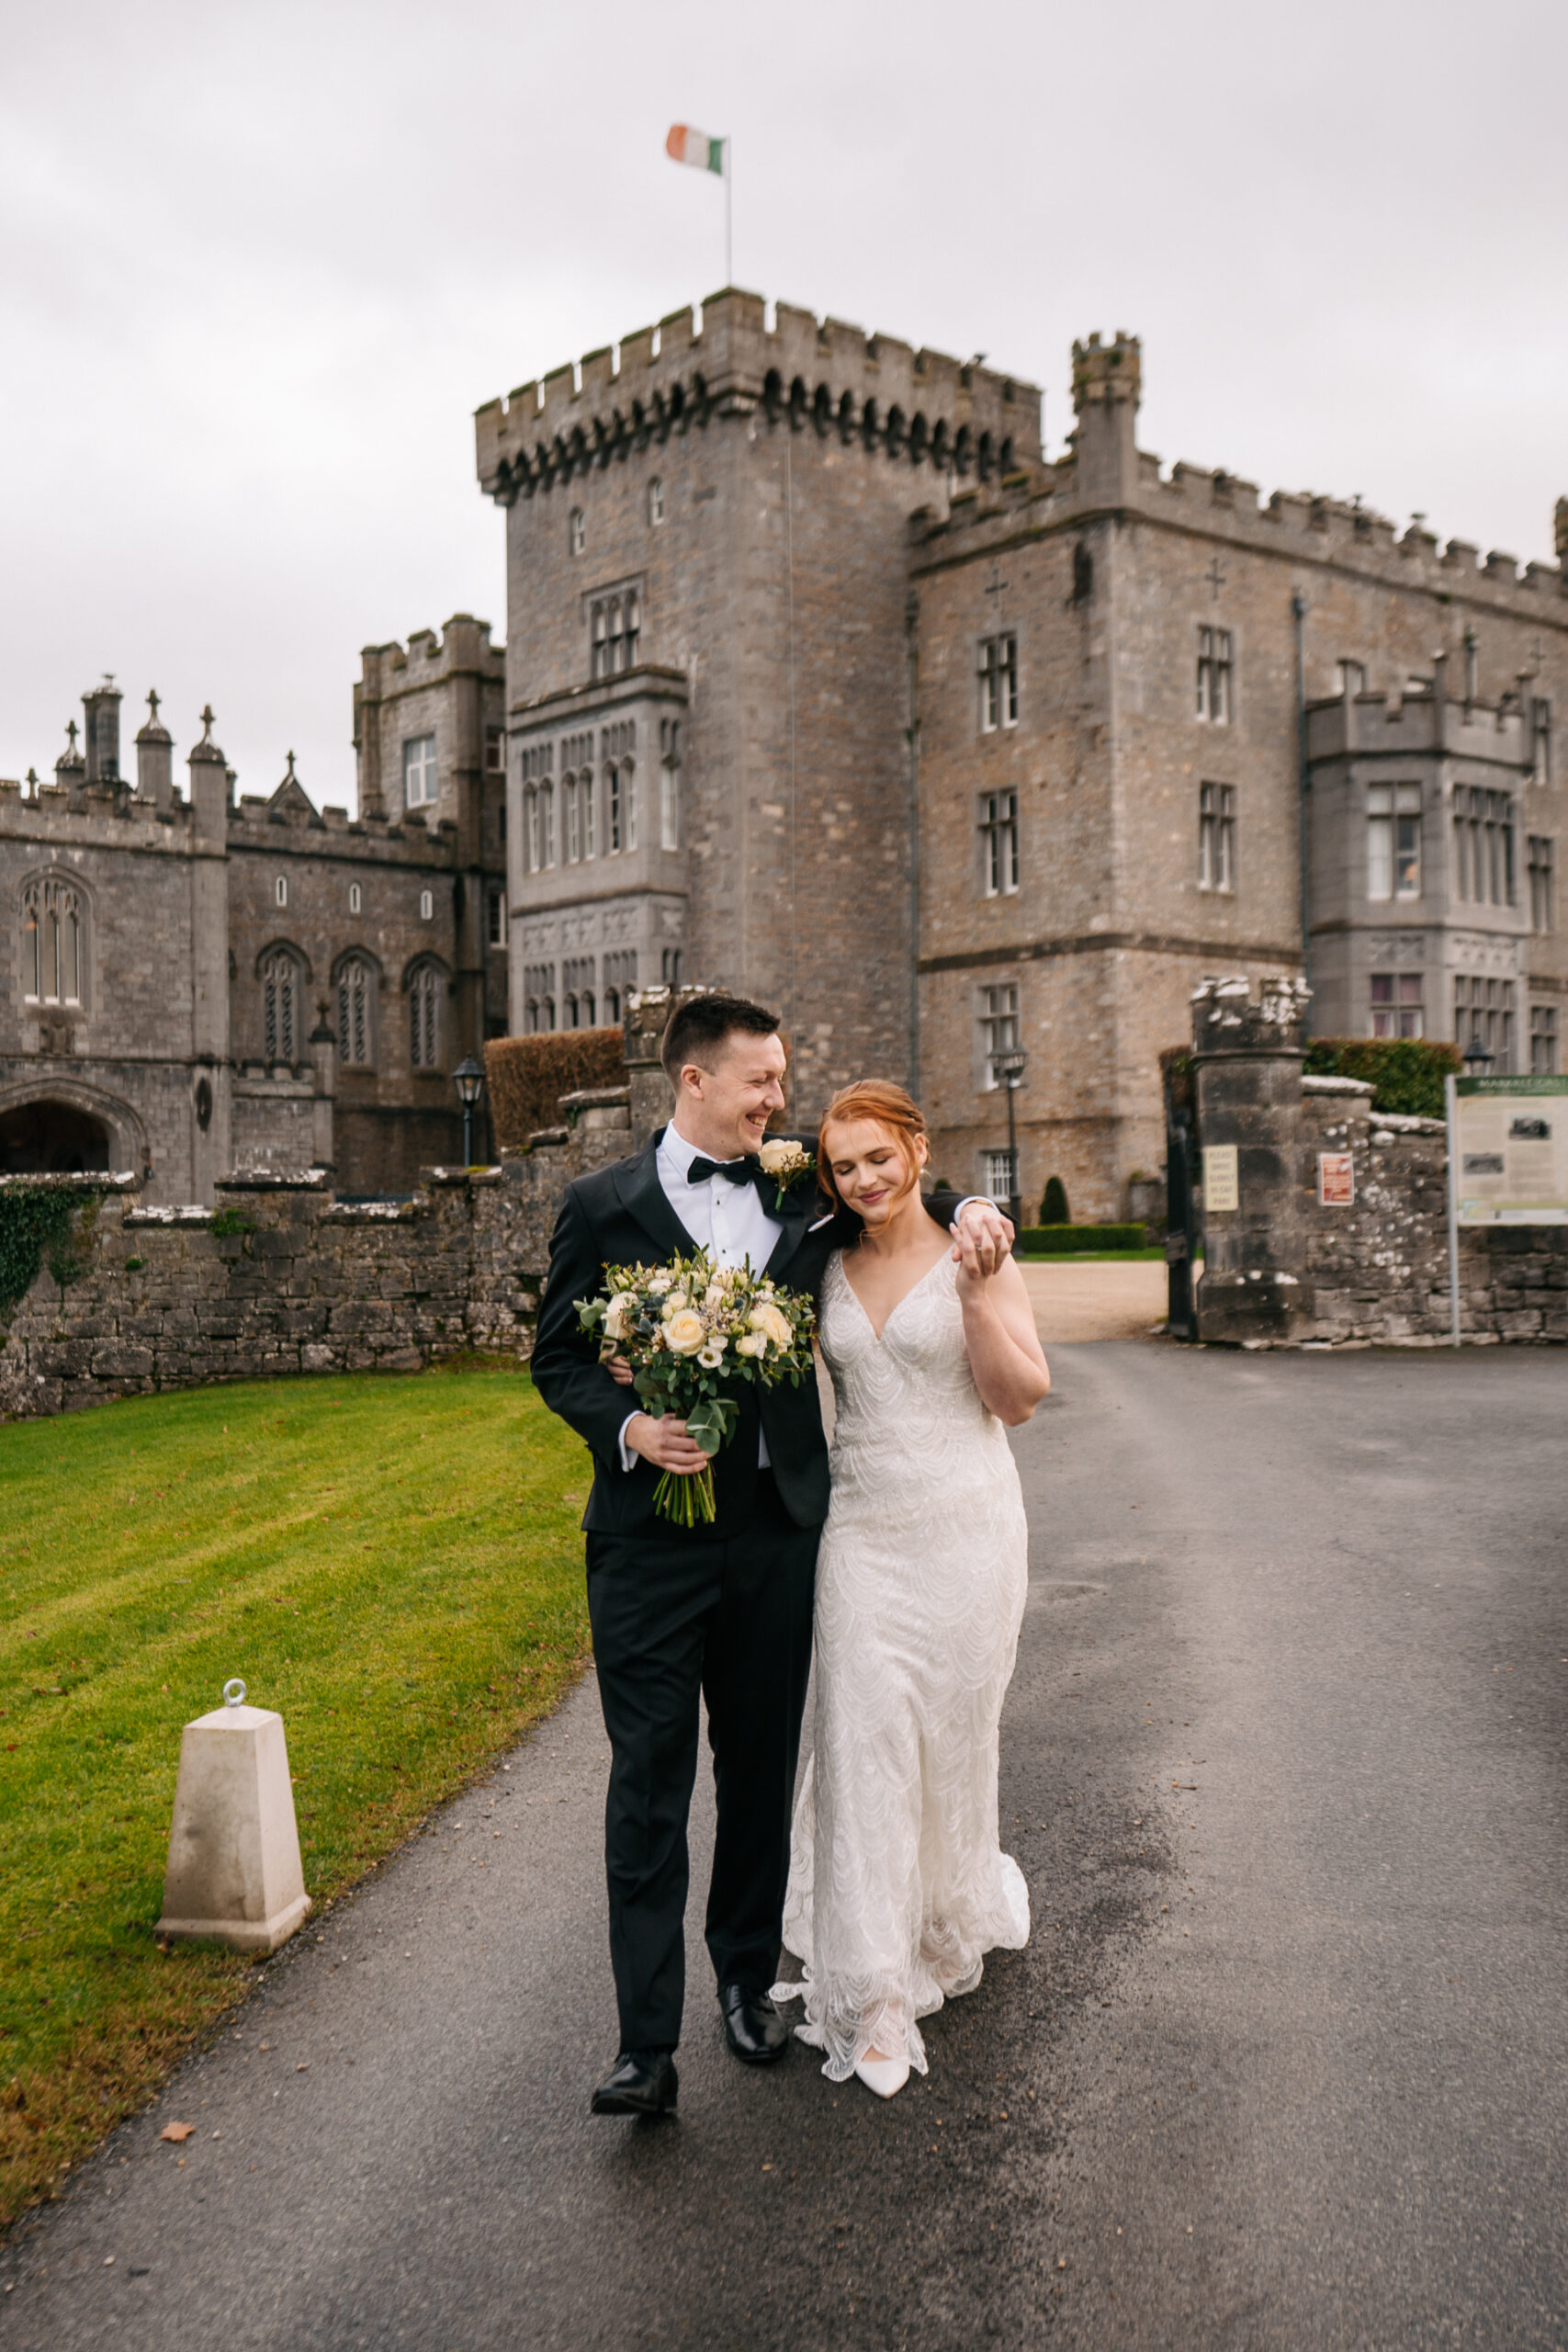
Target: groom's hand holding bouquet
point(689, 1330)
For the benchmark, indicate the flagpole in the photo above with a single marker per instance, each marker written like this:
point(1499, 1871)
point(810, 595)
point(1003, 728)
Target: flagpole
point(729, 239)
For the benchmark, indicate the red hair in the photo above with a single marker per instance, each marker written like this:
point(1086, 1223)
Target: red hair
point(877, 1099)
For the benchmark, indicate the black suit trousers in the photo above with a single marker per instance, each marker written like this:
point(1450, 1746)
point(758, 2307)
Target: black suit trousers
point(725, 1613)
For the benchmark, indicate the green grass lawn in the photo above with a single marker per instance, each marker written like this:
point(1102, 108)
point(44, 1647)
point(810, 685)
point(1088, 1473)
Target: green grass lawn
point(1093, 1257)
point(392, 1561)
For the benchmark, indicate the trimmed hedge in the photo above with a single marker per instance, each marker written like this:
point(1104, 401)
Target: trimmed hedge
point(1066, 1240)
point(527, 1076)
point(1408, 1072)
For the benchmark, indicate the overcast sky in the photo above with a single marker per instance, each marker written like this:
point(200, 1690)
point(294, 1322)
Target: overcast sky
point(260, 264)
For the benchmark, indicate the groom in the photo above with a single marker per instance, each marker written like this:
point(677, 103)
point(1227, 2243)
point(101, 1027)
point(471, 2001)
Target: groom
point(723, 1610)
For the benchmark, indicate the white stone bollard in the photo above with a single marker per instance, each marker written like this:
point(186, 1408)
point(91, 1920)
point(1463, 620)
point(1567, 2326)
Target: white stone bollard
point(234, 1870)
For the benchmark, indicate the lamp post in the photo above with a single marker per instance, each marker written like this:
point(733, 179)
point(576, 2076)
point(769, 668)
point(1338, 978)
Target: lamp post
point(1008, 1067)
point(1477, 1059)
point(469, 1081)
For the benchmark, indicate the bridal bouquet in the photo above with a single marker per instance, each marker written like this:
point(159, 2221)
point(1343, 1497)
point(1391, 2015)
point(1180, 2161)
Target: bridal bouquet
point(690, 1330)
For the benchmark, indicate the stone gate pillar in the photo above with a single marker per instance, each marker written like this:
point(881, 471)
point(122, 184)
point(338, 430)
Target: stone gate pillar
point(1247, 1063)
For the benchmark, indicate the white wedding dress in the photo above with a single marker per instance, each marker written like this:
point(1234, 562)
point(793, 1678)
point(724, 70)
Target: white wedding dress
point(897, 1883)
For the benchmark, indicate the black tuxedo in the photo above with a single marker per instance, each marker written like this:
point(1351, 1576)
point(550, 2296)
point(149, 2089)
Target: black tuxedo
point(724, 1609)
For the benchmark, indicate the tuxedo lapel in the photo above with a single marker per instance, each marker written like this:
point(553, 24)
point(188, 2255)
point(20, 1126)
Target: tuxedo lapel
point(643, 1197)
point(793, 1215)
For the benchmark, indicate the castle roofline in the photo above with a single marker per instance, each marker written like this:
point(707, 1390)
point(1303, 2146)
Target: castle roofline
point(727, 360)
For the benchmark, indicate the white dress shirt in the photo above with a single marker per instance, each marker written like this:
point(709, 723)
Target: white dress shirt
point(727, 1220)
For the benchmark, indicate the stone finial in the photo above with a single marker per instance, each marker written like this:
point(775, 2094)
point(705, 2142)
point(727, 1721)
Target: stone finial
point(208, 723)
point(153, 731)
point(289, 776)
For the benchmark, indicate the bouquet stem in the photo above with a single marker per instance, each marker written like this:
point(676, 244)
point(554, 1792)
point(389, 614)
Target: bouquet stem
point(686, 1497)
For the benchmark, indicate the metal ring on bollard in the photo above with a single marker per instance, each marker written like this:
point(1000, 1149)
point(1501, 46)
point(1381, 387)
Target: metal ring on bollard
point(235, 1694)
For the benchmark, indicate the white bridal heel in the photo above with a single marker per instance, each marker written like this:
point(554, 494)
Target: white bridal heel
point(885, 2076)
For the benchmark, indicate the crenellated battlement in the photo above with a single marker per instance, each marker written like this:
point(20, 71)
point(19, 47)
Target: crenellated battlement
point(1101, 470)
point(460, 648)
point(803, 372)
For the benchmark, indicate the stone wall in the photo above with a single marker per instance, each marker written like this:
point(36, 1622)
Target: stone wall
point(1284, 1269)
point(176, 1297)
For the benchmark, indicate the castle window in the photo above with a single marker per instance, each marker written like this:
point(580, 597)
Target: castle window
point(1394, 840)
point(656, 501)
point(419, 771)
point(539, 991)
point(546, 823)
point(1396, 1005)
point(53, 945)
point(1540, 740)
point(1543, 1041)
point(998, 667)
point(615, 626)
point(427, 905)
point(1483, 846)
point(998, 1032)
point(577, 992)
point(282, 1005)
point(620, 976)
point(577, 531)
point(1216, 676)
point(424, 1017)
point(355, 982)
point(670, 967)
point(569, 792)
point(356, 899)
point(1001, 1176)
point(495, 751)
point(1484, 1016)
point(998, 842)
point(495, 922)
point(1543, 908)
point(280, 891)
point(1352, 678)
point(1217, 837)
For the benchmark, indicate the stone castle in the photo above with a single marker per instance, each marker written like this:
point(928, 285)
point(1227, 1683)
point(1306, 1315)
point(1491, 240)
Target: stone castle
point(200, 981)
point(822, 682)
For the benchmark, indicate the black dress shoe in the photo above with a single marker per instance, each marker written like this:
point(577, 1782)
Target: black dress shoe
point(753, 2026)
point(641, 2082)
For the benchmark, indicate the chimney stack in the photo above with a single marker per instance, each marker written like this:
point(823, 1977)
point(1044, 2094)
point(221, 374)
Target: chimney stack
point(102, 707)
point(155, 759)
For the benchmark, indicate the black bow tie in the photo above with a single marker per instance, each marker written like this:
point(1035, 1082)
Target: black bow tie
point(734, 1171)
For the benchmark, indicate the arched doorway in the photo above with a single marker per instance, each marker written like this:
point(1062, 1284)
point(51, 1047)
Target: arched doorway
point(52, 1139)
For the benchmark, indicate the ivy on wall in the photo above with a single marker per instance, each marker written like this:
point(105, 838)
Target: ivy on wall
point(1408, 1072)
point(36, 1220)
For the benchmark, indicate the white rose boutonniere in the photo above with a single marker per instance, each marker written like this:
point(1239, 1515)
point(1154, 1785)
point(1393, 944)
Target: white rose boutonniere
point(787, 1162)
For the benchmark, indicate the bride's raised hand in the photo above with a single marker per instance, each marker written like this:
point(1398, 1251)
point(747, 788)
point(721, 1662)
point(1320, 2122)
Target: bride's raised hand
point(979, 1256)
point(982, 1228)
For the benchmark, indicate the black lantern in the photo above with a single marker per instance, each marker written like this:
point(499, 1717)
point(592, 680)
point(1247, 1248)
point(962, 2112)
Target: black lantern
point(1008, 1067)
point(469, 1081)
point(1477, 1059)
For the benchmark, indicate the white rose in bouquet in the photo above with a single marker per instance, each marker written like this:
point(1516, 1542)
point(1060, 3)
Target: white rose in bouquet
point(675, 1303)
point(616, 1324)
point(684, 1331)
point(751, 1343)
point(773, 1323)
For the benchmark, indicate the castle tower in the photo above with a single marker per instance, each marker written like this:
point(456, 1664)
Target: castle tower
point(709, 665)
point(1107, 387)
point(102, 708)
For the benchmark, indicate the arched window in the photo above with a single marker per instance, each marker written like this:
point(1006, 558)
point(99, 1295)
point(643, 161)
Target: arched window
point(628, 800)
point(424, 1017)
point(578, 531)
point(568, 812)
point(282, 1006)
point(355, 989)
point(656, 501)
point(531, 827)
point(546, 823)
point(54, 944)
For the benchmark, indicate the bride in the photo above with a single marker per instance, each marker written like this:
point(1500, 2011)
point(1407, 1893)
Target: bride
point(898, 1884)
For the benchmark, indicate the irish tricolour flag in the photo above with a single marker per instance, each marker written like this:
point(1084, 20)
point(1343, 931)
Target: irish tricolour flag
point(685, 145)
